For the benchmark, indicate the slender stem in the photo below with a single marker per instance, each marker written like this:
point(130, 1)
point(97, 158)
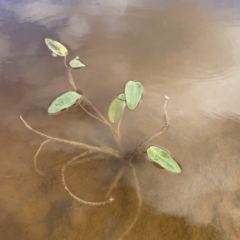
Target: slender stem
point(101, 116)
point(118, 128)
point(70, 78)
point(36, 155)
point(139, 202)
point(105, 150)
point(95, 117)
point(118, 137)
point(158, 133)
point(98, 112)
point(67, 189)
point(115, 181)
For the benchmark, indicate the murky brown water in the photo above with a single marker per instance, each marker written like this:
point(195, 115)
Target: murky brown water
point(188, 50)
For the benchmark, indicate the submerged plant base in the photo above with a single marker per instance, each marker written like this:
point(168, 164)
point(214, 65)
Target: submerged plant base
point(85, 156)
point(131, 98)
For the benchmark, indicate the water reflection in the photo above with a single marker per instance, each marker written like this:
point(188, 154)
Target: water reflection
point(187, 50)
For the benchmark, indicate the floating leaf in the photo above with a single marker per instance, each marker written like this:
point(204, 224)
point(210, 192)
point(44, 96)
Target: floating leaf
point(66, 100)
point(163, 158)
point(75, 63)
point(133, 92)
point(116, 108)
point(56, 47)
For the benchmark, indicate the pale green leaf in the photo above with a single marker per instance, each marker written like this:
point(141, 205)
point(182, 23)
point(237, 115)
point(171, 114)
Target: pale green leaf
point(65, 100)
point(116, 108)
point(133, 92)
point(75, 63)
point(163, 158)
point(56, 47)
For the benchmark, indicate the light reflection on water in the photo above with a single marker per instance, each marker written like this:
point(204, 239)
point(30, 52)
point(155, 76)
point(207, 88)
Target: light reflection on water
point(186, 50)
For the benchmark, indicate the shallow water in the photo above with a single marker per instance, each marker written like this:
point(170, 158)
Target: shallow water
point(188, 50)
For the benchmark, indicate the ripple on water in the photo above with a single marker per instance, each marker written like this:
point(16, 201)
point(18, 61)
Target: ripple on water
point(188, 47)
point(209, 61)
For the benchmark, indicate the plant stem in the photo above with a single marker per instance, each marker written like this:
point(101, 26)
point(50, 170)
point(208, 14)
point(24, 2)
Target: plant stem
point(98, 112)
point(158, 133)
point(105, 150)
point(102, 117)
point(115, 133)
point(111, 128)
point(118, 137)
point(70, 78)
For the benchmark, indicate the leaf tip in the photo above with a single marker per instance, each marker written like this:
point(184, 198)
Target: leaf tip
point(166, 97)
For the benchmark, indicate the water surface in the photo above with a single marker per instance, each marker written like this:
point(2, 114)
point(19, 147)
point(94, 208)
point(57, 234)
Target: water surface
point(188, 50)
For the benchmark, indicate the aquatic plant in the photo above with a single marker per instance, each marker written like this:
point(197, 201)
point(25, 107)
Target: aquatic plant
point(130, 97)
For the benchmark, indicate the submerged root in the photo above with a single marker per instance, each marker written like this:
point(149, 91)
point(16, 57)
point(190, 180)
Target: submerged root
point(105, 150)
point(115, 181)
point(139, 202)
point(55, 168)
point(67, 189)
point(36, 155)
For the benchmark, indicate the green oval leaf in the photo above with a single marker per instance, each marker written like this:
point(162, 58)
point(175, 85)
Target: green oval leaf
point(133, 92)
point(116, 108)
point(163, 158)
point(56, 47)
point(66, 100)
point(75, 63)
